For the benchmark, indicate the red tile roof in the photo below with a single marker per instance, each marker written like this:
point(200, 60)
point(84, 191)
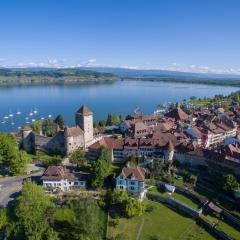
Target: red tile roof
point(136, 172)
point(177, 114)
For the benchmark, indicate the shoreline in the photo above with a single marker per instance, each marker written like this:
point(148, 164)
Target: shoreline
point(93, 81)
point(212, 82)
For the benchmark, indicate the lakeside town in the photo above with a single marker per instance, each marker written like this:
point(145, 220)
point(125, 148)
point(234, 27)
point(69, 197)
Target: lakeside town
point(185, 157)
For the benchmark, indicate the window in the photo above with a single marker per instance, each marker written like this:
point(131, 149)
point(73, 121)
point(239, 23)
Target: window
point(132, 183)
point(121, 187)
point(120, 182)
point(132, 188)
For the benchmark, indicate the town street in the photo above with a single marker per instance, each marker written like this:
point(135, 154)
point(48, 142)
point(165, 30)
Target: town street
point(11, 186)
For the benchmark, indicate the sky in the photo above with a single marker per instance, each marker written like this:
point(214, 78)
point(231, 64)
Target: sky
point(184, 35)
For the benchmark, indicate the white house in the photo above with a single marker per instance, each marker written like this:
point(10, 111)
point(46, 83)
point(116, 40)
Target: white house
point(132, 179)
point(58, 178)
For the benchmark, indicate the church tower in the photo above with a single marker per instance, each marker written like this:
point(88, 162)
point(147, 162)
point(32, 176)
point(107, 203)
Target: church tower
point(84, 119)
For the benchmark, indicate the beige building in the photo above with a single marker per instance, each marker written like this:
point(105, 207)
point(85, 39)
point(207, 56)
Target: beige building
point(84, 119)
point(64, 141)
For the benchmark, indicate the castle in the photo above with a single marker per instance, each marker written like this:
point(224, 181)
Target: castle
point(64, 141)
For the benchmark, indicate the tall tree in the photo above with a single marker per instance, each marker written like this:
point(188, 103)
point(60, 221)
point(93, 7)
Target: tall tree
point(78, 157)
point(11, 158)
point(60, 121)
point(101, 169)
point(32, 209)
point(230, 183)
point(37, 126)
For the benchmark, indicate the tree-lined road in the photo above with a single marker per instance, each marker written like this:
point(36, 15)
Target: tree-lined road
point(11, 186)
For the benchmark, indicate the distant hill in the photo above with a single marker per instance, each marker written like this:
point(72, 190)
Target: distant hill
point(171, 76)
point(31, 76)
point(24, 76)
point(126, 72)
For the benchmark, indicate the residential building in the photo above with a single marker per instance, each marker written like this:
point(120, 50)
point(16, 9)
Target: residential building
point(59, 178)
point(132, 180)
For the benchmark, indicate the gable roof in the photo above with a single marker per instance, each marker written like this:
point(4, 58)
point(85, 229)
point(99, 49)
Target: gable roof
point(136, 172)
point(178, 114)
point(73, 131)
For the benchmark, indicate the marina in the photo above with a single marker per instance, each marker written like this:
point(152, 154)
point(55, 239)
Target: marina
point(29, 104)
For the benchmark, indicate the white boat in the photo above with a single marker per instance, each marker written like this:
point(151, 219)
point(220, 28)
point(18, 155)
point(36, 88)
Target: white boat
point(3, 122)
point(26, 118)
point(42, 118)
point(33, 120)
point(6, 117)
point(12, 123)
point(27, 122)
point(35, 111)
point(30, 114)
point(49, 115)
point(18, 113)
point(10, 115)
point(19, 127)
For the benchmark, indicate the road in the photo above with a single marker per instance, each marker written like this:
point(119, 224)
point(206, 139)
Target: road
point(10, 187)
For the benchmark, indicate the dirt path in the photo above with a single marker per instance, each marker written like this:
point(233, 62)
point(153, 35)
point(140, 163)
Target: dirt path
point(140, 229)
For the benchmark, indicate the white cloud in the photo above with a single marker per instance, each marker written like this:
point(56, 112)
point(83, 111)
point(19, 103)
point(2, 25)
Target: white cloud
point(201, 69)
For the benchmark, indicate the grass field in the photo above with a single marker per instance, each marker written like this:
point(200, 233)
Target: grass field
point(182, 198)
point(162, 223)
point(229, 230)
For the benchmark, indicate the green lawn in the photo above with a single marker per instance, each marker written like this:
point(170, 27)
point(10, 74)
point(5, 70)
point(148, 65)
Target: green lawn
point(182, 198)
point(229, 230)
point(162, 223)
point(225, 227)
point(126, 226)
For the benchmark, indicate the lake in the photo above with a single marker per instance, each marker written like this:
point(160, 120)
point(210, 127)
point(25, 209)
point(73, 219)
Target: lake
point(120, 97)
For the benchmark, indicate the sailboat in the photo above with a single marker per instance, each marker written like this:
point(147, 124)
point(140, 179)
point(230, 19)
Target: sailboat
point(10, 115)
point(35, 111)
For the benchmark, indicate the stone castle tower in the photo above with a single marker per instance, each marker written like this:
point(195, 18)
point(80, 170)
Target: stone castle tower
point(84, 119)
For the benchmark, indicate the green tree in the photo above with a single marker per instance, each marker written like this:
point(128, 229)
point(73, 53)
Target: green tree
point(31, 215)
point(11, 158)
point(109, 119)
point(19, 164)
point(102, 123)
point(118, 197)
point(60, 121)
point(102, 167)
point(8, 149)
point(83, 219)
point(230, 183)
point(78, 157)
point(134, 207)
point(37, 126)
point(3, 218)
point(48, 127)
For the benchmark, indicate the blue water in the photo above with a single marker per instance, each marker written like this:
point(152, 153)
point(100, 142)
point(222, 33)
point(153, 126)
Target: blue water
point(120, 97)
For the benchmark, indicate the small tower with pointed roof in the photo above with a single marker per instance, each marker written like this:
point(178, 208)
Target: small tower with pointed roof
point(84, 119)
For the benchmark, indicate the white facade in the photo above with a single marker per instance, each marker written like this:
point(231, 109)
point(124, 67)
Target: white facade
point(133, 186)
point(63, 185)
